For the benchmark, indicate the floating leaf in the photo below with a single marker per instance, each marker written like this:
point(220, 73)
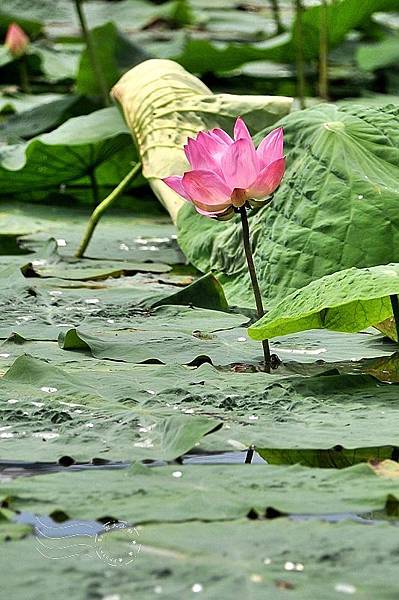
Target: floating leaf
point(127, 405)
point(69, 414)
point(242, 558)
point(179, 343)
point(203, 492)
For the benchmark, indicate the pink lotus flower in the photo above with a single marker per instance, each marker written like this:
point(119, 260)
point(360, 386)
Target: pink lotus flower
point(16, 40)
point(227, 173)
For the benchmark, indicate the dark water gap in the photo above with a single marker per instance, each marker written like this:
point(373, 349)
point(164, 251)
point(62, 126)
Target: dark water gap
point(19, 468)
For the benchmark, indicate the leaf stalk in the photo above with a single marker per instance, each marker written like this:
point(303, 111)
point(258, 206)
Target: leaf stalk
point(300, 61)
point(102, 207)
point(95, 62)
point(23, 74)
point(323, 51)
point(254, 282)
point(277, 16)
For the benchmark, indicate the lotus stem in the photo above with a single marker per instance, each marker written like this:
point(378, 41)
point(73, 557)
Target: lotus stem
point(94, 187)
point(395, 310)
point(102, 207)
point(300, 61)
point(94, 60)
point(254, 281)
point(23, 75)
point(323, 52)
point(249, 455)
point(277, 16)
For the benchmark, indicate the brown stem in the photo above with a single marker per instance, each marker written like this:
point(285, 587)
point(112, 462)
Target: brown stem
point(254, 281)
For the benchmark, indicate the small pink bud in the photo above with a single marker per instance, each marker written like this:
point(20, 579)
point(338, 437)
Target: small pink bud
point(16, 40)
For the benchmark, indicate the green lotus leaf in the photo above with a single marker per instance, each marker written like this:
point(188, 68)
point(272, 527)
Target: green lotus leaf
point(347, 301)
point(68, 153)
point(243, 558)
point(231, 489)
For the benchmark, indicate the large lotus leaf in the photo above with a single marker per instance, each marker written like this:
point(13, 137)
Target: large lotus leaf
point(237, 559)
point(119, 411)
point(14, 102)
point(163, 105)
point(206, 56)
point(40, 309)
point(160, 345)
point(342, 174)
point(58, 61)
point(378, 56)
point(69, 414)
point(292, 489)
point(348, 301)
point(67, 153)
point(42, 118)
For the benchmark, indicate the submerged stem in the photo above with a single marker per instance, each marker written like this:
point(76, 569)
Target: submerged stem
point(395, 310)
point(102, 207)
point(254, 281)
point(95, 63)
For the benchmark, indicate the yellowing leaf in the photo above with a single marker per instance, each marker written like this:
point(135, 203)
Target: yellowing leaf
point(386, 468)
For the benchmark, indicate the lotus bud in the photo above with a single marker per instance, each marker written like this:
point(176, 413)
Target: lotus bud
point(16, 40)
